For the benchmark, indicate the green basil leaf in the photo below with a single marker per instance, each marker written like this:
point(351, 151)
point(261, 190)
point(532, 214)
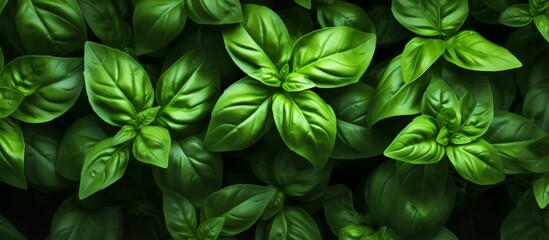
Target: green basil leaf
point(388, 30)
point(57, 93)
point(535, 157)
point(534, 106)
point(71, 221)
point(126, 133)
point(275, 205)
point(341, 13)
point(416, 143)
point(104, 164)
point(344, 57)
point(79, 138)
point(419, 54)
point(542, 24)
point(510, 144)
point(260, 41)
point(240, 117)
point(157, 23)
point(7, 230)
point(541, 189)
point(298, 21)
point(179, 215)
point(306, 124)
point(517, 15)
point(470, 50)
point(118, 87)
point(477, 110)
point(297, 82)
point(107, 22)
point(394, 97)
point(41, 144)
point(339, 209)
point(151, 146)
point(422, 184)
point(438, 96)
point(525, 221)
point(292, 223)
point(450, 120)
point(12, 153)
point(477, 162)
point(431, 17)
point(357, 232)
point(146, 117)
point(210, 229)
point(9, 101)
point(214, 12)
point(192, 171)
point(50, 27)
point(243, 205)
point(538, 7)
point(304, 3)
point(187, 92)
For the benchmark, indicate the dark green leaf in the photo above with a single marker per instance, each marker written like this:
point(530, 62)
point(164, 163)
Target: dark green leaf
point(156, 23)
point(417, 143)
point(470, 50)
point(421, 184)
point(118, 87)
point(431, 17)
point(304, 3)
point(419, 54)
point(214, 12)
point(525, 221)
point(240, 117)
point(179, 215)
point(538, 7)
point(344, 57)
point(50, 27)
point(152, 146)
point(339, 209)
point(275, 205)
point(341, 13)
point(535, 107)
point(105, 163)
point(292, 223)
point(243, 205)
point(12, 153)
point(187, 92)
point(517, 15)
point(210, 229)
point(107, 22)
point(306, 124)
point(535, 157)
point(71, 221)
point(477, 162)
point(7, 230)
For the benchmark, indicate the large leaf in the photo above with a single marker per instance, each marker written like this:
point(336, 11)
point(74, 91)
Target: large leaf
point(152, 146)
point(419, 54)
point(341, 13)
point(12, 152)
point(292, 223)
point(192, 171)
point(510, 144)
point(72, 221)
point(477, 162)
point(179, 215)
point(417, 143)
point(58, 91)
point(50, 27)
point(240, 205)
point(431, 17)
point(214, 12)
point(156, 23)
point(394, 97)
point(79, 138)
point(105, 163)
point(41, 144)
point(470, 50)
point(107, 22)
point(260, 45)
point(333, 57)
point(437, 97)
point(118, 87)
point(187, 92)
point(477, 110)
point(306, 124)
point(517, 15)
point(240, 116)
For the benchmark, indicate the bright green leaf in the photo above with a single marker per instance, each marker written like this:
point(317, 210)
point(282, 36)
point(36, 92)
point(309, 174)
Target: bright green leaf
point(438, 96)
point(477, 110)
point(12, 152)
point(126, 133)
point(431, 17)
point(9, 101)
point(152, 146)
point(214, 12)
point(304, 3)
point(517, 15)
point(477, 162)
point(541, 189)
point(296, 82)
point(179, 215)
point(419, 54)
point(542, 24)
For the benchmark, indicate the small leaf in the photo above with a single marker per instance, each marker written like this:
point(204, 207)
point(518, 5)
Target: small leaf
point(470, 50)
point(477, 110)
point(437, 97)
point(214, 12)
point(12, 153)
point(152, 146)
point(541, 189)
point(179, 215)
point(146, 117)
point(297, 82)
point(304, 3)
point(105, 163)
point(419, 54)
point(542, 24)
point(210, 229)
point(416, 143)
point(268, 76)
point(517, 15)
point(126, 133)
point(477, 162)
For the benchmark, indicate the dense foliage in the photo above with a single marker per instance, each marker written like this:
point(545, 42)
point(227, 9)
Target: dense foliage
point(274, 119)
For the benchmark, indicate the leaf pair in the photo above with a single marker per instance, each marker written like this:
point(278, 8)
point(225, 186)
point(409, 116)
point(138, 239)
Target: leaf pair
point(453, 128)
point(262, 48)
